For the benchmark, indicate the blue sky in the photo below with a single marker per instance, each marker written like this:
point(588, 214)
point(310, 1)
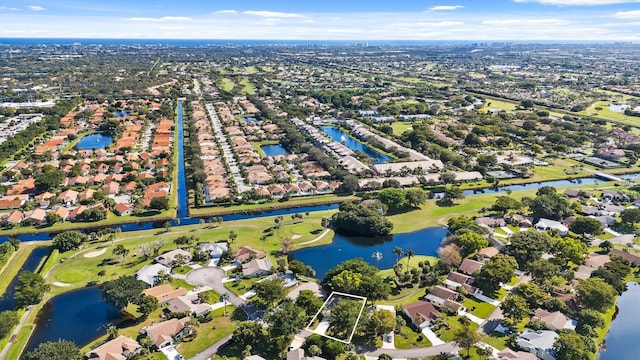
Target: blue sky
point(517, 20)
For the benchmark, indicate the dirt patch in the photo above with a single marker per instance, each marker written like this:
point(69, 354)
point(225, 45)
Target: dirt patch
point(61, 284)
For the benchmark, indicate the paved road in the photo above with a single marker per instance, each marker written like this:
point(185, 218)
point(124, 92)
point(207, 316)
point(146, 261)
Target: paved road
point(207, 353)
point(5, 350)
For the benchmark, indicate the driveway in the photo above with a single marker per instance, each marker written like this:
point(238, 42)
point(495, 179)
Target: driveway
point(212, 277)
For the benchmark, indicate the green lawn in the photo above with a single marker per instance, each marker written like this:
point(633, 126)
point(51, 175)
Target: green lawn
point(181, 269)
point(241, 286)
point(248, 88)
point(228, 84)
point(478, 308)
point(455, 324)
point(409, 338)
point(497, 340)
point(399, 127)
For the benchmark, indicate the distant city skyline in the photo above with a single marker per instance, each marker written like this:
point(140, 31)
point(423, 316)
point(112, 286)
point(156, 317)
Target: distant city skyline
point(490, 20)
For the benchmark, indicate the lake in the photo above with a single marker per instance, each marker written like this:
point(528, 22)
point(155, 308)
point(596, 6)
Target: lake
point(622, 339)
point(340, 136)
point(79, 316)
point(274, 150)
point(94, 141)
point(324, 257)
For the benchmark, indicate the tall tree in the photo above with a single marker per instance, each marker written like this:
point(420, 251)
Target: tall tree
point(571, 346)
point(287, 319)
point(409, 253)
point(55, 350)
point(30, 289)
point(122, 291)
point(528, 246)
point(596, 294)
point(397, 251)
point(465, 338)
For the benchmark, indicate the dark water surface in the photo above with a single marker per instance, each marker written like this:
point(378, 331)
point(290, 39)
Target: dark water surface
point(324, 257)
point(79, 316)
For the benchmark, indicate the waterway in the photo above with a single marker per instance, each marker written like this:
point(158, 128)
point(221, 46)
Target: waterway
point(79, 316)
point(94, 142)
point(274, 150)
point(532, 186)
point(340, 136)
point(622, 339)
point(183, 197)
point(324, 257)
point(8, 301)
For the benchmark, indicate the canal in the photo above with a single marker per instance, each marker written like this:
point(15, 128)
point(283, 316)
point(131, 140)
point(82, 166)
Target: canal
point(8, 301)
point(340, 136)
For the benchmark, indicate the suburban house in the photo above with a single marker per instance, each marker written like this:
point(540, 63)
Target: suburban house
point(634, 259)
point(298, 354)
point(539, 343)
point(123, 209)
point(215, 250)
point(421, 313)
point(546, 225)
point(68, 197)
point(469, 266)
point(491, 221)
point(254, 357)
point(244, 253)
point(163, 333)
point(120, 348)
point(596, 261)
point(455, 280)
point(164, 293)
point(257, 267)
point(487, 253)
point(173, 257)
point(188, 303)
point(508, 354)
point(149, 274)
point(444, 298)
point(519, 220)
point(554, 320)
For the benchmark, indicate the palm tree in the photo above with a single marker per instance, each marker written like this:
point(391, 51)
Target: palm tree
point(225, 297)
point(409, 254)
point(398, 252)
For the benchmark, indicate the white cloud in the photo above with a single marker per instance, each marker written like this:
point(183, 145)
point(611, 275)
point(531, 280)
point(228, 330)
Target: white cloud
point(9, 8)
point(36, 8)
point(627, 15)
point(440, 23)
point(272, 14)
point(578, 2)
point(162, 19)
point(229, 12)
point(446, 7)
point(526, 22)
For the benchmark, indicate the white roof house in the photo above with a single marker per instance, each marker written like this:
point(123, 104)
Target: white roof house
point(215, 250)
point(546, 224)
point(149, 273)
point(539, 343)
